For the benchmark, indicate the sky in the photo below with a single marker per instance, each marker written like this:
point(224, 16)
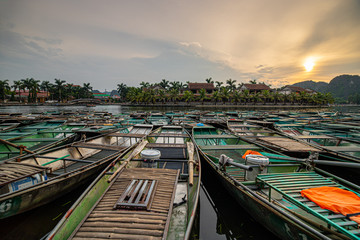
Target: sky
point(109, 42)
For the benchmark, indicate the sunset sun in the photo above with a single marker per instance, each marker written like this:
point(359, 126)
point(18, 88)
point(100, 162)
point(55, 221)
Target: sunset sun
point(309, 64)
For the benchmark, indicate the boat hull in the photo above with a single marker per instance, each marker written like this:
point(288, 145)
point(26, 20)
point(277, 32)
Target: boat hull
point(18, 202)
point(274, 221)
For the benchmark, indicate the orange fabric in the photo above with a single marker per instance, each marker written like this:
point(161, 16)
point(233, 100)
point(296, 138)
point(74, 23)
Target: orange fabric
point(335, 199)
point(250, 152)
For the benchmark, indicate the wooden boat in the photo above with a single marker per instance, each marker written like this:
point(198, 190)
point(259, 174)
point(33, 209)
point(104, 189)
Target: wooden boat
point(269, 187)
point(30, 129)
point(8, 126)
point(269, 138)
point(37, 141)
point(158, 119)
point(138, 199)
point(40, 178)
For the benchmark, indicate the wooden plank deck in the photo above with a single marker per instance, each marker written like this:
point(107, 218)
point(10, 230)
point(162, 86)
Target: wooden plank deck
point(106, 222)
point(287, 144)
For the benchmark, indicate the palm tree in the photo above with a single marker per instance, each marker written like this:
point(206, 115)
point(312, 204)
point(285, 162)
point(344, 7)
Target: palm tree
point(266, 95)
point(202, 95)
point(329, 98)
point(17, 85)
point(175, 85)
point(27, 85)
point(34, 88)
point(174, 95)
point(256, 97)
point(276, 97)
point(162, 96)
point(253, 81)
point(209, 80)
point(122, 90)
point(86, 91)
point(59, 86)
point(218, 85)
point(224, 94)
point(4, 87)
point(164, 84)
point(145, 84)
point(216, 96)
point(293, 97)
point(188, 96)
point(236, 97)
point(246, 95)
point(231, 84)
point(150, 96)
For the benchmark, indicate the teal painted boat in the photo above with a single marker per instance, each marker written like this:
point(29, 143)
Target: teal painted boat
point(30, 129)
point(152, 193)
point(269, 187)
point(43, 177)
point(38, 141)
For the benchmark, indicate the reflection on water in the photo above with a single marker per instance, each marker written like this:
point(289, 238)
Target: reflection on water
point(38, 222)
point(115, 109)
point(221, 217)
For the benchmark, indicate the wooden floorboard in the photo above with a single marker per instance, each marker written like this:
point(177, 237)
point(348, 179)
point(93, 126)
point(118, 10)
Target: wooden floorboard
point(104, 222)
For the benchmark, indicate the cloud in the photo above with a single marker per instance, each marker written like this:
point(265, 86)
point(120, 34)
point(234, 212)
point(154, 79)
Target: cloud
point(149, 40)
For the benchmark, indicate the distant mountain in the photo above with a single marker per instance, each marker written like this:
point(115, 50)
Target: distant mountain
point(316, 86)
point(343, 86)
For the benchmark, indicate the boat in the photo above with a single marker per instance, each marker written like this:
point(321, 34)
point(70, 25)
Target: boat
point(270, 186)
point(158, 119)
point(8, 126)
point(39, 178)
point(37, 141)
point(151, 193)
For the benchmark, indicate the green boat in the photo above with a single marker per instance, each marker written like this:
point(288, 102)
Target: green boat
point(38, 141)
point(270, 187)
point(152, 193)
point(43, 177)
point(30, 129)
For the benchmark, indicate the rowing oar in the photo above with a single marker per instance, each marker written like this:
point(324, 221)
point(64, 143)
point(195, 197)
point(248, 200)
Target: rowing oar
point(190, 148)
point(136, 151)
point(321, 162)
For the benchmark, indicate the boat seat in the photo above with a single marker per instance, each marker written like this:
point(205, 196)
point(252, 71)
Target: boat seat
point(290, 186)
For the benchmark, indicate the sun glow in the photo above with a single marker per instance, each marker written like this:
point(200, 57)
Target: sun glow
point(309, 64)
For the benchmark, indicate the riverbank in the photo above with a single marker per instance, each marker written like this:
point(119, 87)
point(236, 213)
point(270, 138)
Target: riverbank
point(195, 104)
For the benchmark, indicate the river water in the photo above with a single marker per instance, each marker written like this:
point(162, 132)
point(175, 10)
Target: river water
point(219, 216)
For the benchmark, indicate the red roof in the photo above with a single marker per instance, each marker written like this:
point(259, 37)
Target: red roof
point(196, 86)
point(296, 89)
point(26, 93)
point(257, 86)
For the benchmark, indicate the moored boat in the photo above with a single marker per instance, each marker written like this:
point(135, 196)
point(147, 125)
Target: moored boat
point(38, 141)
point(151, 194)
point(42, 177)
point(271, 187)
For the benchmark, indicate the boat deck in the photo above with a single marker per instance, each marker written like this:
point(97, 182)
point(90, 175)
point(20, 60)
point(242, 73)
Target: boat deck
point(286, 144)
point(130, 212)
point(14, 171)
point(290, 186)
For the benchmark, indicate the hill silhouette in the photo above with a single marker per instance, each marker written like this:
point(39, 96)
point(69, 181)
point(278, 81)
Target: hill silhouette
point(343, 86)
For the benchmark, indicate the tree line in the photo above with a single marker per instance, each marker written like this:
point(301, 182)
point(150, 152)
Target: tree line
point(167, 92)
point(59, 90)
point(170, 92)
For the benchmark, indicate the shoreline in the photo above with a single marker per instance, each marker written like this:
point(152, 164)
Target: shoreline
point(187, 105)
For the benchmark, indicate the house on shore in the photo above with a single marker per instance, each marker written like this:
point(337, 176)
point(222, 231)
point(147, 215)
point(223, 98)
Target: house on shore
point(195, 87)
point(253, 88)
point(23, 95)
point(288, 89)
